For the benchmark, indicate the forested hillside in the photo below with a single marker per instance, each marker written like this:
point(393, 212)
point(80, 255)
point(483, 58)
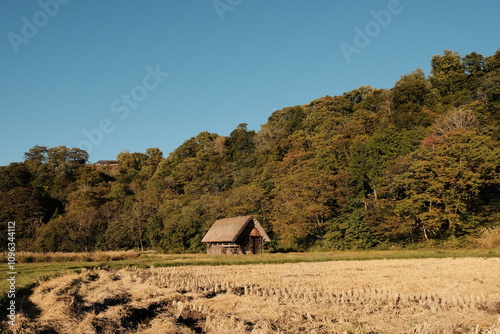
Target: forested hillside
point(370, 168)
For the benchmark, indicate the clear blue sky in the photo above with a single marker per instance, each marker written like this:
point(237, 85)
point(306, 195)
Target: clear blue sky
point(86, 65)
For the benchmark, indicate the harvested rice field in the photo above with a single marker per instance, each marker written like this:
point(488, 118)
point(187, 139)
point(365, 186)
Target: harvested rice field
point(377, 296)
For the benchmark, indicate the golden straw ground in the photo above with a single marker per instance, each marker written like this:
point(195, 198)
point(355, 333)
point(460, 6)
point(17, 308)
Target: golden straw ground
point(378, 296)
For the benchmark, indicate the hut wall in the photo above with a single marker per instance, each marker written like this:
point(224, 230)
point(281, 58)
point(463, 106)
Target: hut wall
point(250, 240)
point(250, 245)
point(216, 248)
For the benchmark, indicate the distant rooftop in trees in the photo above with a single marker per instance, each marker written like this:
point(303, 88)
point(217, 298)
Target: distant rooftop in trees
point(107, 162)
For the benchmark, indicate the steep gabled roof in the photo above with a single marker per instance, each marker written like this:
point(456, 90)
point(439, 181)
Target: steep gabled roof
point(229, 229)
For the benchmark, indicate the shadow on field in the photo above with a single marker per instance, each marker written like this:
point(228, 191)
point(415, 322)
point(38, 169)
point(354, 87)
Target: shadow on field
point(23, 304)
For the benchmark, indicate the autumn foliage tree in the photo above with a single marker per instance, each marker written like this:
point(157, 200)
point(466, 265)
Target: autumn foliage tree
point(418, 162)
point(447, 182)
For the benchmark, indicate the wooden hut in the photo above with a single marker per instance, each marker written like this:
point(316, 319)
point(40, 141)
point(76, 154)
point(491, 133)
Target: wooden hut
point(236, 235)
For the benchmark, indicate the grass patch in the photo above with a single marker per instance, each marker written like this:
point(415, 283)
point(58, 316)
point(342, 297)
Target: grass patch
point(29, 273)
point(292, 297)
point(490, 237)
point(33, 257)
point(35, 268)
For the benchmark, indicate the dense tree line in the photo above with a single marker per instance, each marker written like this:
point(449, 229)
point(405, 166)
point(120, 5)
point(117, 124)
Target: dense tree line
point(370, 168)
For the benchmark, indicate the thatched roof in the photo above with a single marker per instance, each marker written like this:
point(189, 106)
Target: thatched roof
point(229, 229)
